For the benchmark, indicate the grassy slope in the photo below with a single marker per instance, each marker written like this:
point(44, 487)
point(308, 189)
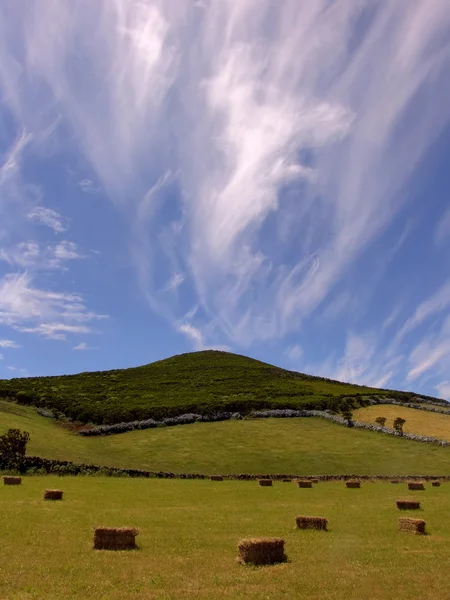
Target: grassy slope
point(205, 381)
point(417, 421)
point(302, 446)
point(188, 536)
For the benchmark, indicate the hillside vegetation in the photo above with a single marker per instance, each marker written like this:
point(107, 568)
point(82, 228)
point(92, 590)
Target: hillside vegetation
point(201, 382)
point(297, 446)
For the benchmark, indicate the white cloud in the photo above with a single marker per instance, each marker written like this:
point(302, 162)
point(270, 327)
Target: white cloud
point(87, 187)
point(11, 163)
point(433, 305)
point(326, 129)
point(443, 390)
point(194, 334)
point(42, 311)
point(295, 352)
point(31, 255)
point(364, 361)
point(18, 370)
point(9, 344)
point(48, 217)
point(442, 232)
point(174, 282)
point(82, 346)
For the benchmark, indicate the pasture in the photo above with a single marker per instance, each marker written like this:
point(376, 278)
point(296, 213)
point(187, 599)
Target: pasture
point(417, 421)
point(307, 446)
point(188, 533)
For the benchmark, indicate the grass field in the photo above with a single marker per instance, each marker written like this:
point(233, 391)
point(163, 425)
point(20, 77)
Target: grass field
point(301, 446)
point(205, 381)
point(417, 421)
point(188, 536)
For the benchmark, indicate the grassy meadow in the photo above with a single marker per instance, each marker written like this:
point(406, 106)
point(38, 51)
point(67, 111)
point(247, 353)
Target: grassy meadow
point(299, 446)
point(417, 421)
point(188, 536)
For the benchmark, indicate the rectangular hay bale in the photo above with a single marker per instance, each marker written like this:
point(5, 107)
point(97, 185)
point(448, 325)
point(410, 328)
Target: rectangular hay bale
point(115, 538)
point(436, 483)
point(416, 485)
point(265, 482)
point(53, 495)
point(409, 525)
point(261, 551)
point(304, 483)
point(353, 484)
point(407, 504)
point(216, 478)
point(10, 480)
point(311, 523)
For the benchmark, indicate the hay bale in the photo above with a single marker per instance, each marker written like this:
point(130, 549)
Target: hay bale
point(265, 482)
point(115, 538)
point(304, 484)
point(436, 483)
point(407, 504)
point(9, 480)
point(311, 523)
point(314, 481)
point(216, 478)
point(53, 495)
point(261, 551)
point(353, 484)
point(411, 525)
point(416, 485)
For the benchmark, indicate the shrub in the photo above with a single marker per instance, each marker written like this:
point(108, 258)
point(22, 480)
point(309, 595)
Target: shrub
point(398, 425)
point(381, 421)
point(13, 446)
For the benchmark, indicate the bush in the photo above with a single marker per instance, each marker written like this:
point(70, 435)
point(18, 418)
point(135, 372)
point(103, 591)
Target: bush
point(13, 446)
point(381, 421)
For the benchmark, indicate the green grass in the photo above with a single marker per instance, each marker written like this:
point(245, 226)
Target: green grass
point(188, 536)
point(417, 421)
point(200, 381)
point(301, 446)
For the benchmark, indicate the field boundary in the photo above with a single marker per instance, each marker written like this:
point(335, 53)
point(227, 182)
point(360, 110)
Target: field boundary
point(278, 413)
point(35, 465)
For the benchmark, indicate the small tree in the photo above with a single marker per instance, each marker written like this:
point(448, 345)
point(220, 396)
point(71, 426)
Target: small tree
point(398, 424)
point(347, 414)
point(381, 421)
point(13, 446)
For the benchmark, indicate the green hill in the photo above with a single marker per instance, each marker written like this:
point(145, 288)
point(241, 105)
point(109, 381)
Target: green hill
point(201, 382)
point(299, 446)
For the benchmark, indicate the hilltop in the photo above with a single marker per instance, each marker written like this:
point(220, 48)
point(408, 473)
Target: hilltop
point(202, 382)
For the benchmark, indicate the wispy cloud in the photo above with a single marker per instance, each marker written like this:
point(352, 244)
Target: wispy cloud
point(194, 334)
point(88, 187)
point(261, 111)
point(83, 346)
point(42, 311)
point(443, 390)
point(294, 352)
point(31, 255)
point(284, 151)
point(442, 232)
point(9, 344)
point(19, 370)
point(49, 218)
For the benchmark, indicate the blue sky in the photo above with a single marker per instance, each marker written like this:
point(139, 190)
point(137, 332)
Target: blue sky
point(265, 176)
